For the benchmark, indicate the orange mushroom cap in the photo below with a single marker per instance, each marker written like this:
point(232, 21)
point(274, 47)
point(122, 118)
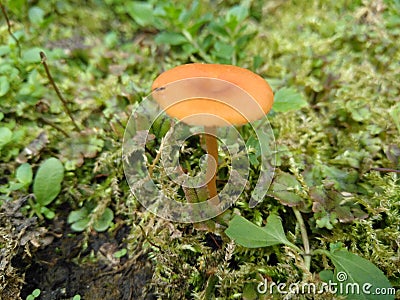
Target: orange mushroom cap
point(213, 94)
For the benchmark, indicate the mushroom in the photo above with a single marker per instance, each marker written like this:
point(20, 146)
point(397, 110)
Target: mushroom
point(212, 95)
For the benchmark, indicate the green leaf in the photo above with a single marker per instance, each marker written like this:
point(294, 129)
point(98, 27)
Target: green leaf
point(281, 190)
point(141, 12)
point(170, 38)
point(49, 214)
point(120, 253)
point(4, 85)
point(5, 136)
point(24, 174)
point(77, 215)
point(80, 225)
point(250, 235)
point(326, 275)
point(32, 55)
point(14, 186)
point(288, 99)
point(253, 150)
point(352, 271)
point(238, 12)
point(47, 183)
point(36, 15)
point(36, 293)
point(104, 221)
point(223, 50)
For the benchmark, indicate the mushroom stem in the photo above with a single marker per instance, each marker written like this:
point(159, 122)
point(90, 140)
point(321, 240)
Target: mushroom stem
point(212, 150)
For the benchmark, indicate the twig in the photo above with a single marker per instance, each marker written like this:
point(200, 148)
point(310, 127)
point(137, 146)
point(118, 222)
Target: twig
point(147, 238)
point(379, 169)
point(54, 126)
point(304, 237)
point(3, 9)
point(385, 170)
point(60, 96)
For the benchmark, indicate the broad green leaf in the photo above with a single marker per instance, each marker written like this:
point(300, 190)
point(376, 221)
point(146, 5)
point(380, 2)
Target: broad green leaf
point(4, 85)
point(170, 38)
point(353, 272)
point(223, 50)
point(77, 215)
point(326, 275)
point(218, 29)
point(283, 189)
point(47, 183)
point(5, 136)
point(235, 16)
point(141, 12)
point(104, 221)
point(36, 15)
point(14, 186)
point(250, 235)
point(32, 55)
point(80, 225)
point(24, 174)
point(239, 12)
point(288, 99)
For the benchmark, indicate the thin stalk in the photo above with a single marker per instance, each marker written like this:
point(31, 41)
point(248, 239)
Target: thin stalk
point(212, 150)
point(60, 96)
point(385, 169)
point(3, 9)
point(54, 126)
point(304, 237)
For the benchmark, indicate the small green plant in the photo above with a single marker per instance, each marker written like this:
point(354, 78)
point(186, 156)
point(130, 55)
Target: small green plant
point(85, 217)
point(194, 31)
point(11, 139)
point(35, 294)
point(320, 187)
point(46, 186)
point(120, 253)
point(358, 270)
point(77, 297)
point(23, 178)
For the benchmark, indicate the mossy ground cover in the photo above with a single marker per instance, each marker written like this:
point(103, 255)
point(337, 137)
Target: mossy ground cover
point(337, 160)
